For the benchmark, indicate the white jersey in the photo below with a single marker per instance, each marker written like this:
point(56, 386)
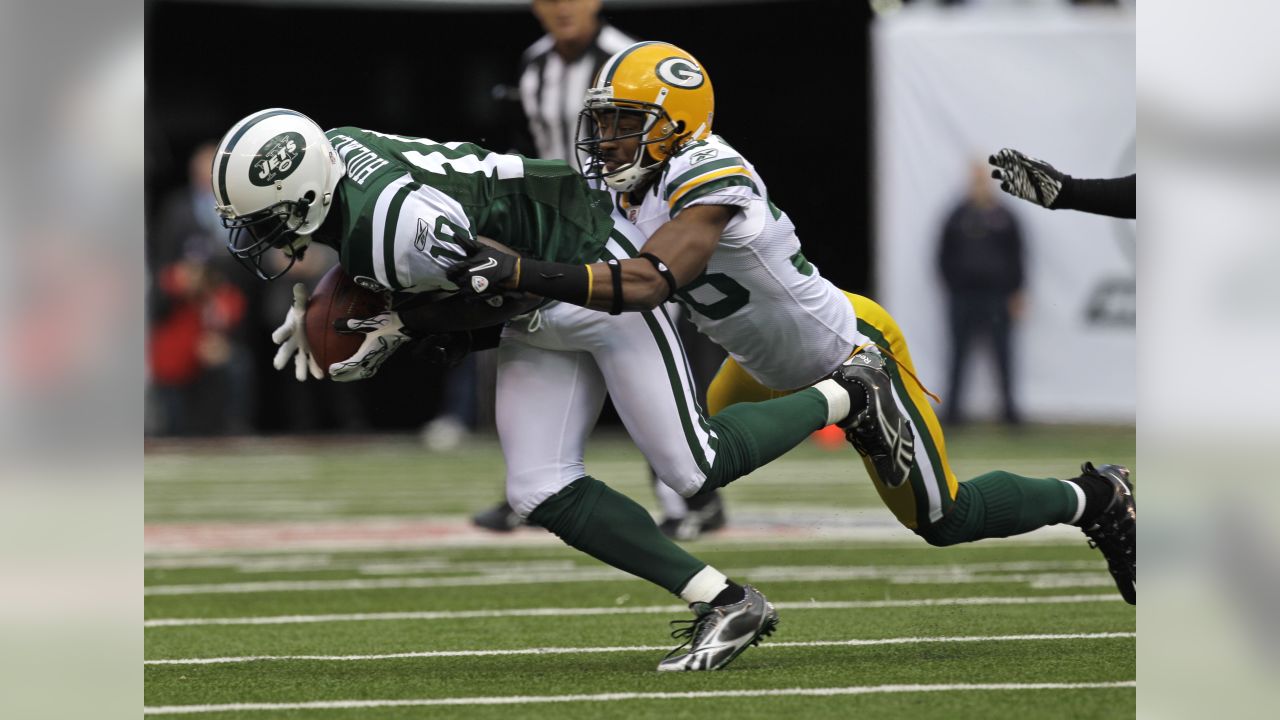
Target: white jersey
point(758, 298)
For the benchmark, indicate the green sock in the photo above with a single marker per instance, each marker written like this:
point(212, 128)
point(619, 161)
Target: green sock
point(1000, 504)
point(754, 434)
point(612, 528)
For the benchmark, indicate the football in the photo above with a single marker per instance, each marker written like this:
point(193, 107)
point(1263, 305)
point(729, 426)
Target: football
point(336, 297)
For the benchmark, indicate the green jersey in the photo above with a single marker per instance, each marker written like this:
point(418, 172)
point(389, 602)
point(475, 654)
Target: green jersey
point(404, 203)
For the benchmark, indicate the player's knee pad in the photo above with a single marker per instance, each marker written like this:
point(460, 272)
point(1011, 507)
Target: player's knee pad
point(687, 483)
point(680, 473)
point(527, 490)
point(567, 512)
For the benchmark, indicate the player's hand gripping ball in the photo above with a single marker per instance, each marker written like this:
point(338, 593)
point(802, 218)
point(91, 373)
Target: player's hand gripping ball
point(341, 316)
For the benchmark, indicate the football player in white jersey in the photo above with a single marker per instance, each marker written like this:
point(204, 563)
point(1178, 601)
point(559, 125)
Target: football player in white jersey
point(718, 244)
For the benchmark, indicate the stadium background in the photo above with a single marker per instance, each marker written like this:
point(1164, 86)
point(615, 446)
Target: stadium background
point(860, 127)
point(791, 82)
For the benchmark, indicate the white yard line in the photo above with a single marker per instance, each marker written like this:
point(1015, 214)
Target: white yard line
point(638, 610)
point(528, 540)
point(636, 648)
point(434, 533)
point(309, 562)
point(902, 574)
point(617, 697)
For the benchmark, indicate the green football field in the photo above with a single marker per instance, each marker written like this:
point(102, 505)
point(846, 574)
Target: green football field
point(338, 578)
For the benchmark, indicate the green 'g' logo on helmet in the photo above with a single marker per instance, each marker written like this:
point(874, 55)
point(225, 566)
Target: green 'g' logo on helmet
point(680, 72)
point(277, 159)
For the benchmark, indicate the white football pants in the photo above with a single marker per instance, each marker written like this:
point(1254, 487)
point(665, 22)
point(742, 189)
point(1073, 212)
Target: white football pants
point(554, 370)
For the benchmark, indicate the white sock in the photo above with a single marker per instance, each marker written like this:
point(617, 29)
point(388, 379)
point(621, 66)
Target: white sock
point(1079, 501)
point(837, 400)
point(704, 586)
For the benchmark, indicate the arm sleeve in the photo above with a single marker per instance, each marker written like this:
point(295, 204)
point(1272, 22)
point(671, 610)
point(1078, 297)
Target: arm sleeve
point(1116, 198)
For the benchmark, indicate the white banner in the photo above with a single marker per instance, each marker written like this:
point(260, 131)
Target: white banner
point(951, 87)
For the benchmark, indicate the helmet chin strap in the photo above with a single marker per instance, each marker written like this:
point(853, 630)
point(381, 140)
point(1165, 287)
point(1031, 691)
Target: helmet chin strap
point(628, 178)
point(633, 175)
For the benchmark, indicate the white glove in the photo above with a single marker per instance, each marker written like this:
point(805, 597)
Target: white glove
point(292, 339)
point(383, 333)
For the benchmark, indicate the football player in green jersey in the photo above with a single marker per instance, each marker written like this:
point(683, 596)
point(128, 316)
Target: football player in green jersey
point(718, 244)
point(401, 212)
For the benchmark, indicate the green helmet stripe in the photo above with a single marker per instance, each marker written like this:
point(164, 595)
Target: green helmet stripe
point(617, 60)
point(225, 160)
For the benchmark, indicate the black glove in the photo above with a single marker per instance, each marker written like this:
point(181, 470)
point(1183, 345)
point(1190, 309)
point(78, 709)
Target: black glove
point(1028, 178)
point(448, 349)
point(444, 349)
point(483, 269)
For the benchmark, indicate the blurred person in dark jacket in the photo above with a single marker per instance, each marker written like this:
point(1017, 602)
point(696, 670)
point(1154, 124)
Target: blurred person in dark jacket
point(981, 261)
point(201, 372)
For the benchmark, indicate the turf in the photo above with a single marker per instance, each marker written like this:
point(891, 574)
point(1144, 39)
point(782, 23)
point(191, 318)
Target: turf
point(816, 501)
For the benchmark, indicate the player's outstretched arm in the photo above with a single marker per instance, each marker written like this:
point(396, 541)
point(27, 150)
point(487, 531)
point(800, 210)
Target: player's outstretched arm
point(675, 255)
point(1037, 181)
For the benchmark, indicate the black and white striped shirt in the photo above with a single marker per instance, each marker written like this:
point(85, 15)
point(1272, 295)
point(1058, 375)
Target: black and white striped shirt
point(551, 90)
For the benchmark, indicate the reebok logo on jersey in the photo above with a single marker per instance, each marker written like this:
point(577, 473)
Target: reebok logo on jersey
point(420, 238)
point(703, 155)
point(277, 159)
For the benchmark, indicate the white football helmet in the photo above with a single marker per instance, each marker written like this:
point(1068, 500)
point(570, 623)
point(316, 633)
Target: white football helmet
point(273, 180)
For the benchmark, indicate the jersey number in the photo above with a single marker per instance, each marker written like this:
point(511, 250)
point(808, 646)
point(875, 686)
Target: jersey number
point(733, 298)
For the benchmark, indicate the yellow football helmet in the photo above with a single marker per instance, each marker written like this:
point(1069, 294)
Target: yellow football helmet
point(659, 81)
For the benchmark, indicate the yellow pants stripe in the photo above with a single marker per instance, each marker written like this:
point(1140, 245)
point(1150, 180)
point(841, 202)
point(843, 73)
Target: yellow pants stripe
point(931, 490)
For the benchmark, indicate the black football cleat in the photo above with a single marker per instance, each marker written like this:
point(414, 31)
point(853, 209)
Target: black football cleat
point(880, 431)
point(697, 521)
point(499, 518)
point(1115, 530)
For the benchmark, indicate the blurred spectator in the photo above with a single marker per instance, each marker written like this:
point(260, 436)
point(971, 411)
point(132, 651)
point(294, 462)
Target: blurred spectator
point(981, 259)
point(201, 372)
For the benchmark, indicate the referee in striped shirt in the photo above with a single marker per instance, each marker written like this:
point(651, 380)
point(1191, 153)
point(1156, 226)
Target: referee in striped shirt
point(556, 71)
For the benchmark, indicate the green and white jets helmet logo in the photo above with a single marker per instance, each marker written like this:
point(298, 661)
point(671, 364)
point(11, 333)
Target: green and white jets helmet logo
point(277, 159)
point(679, 72)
